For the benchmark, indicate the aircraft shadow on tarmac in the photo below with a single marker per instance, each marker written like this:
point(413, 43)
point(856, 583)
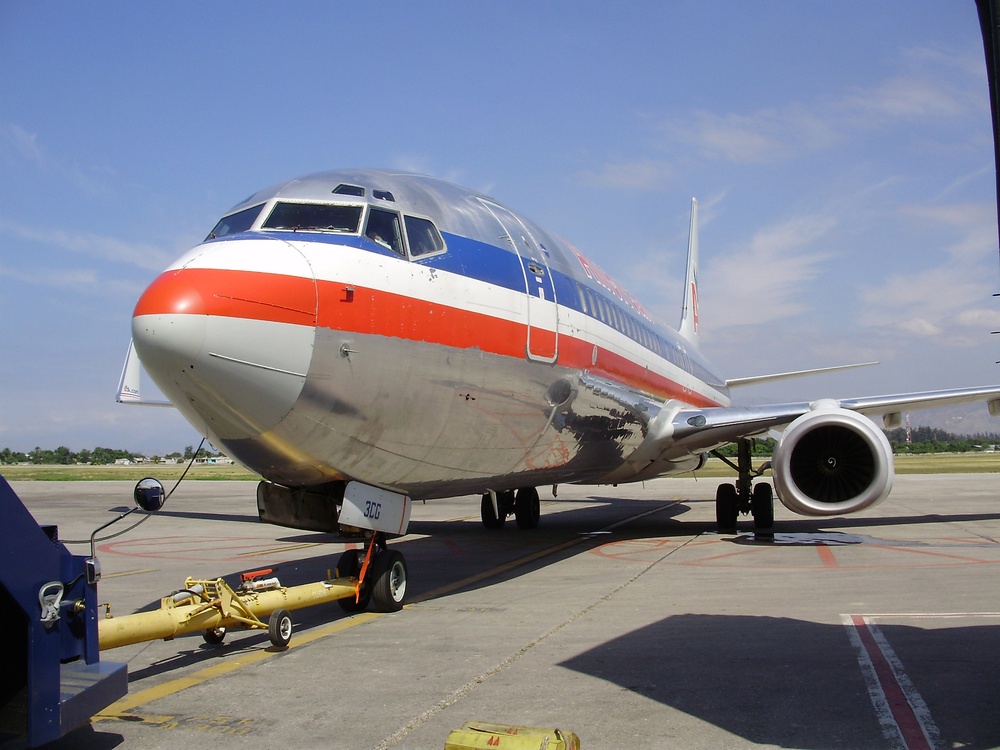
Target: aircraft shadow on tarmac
point(458, 555)
point(462, 555)
point(782, 682)
point(202, 516)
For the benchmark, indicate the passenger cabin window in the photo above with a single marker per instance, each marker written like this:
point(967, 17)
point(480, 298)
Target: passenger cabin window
point(423, 236)
point(314, 217)
point(240, 221)
point(383, 228)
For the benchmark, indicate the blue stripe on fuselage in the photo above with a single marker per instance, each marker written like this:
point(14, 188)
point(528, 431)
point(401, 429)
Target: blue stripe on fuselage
point(502, 267)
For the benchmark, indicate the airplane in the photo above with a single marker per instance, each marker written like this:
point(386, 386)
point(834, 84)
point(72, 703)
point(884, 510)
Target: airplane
point(366, 337)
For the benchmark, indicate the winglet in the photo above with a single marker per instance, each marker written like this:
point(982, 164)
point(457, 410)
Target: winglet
point(128, 385)
point(689, 310)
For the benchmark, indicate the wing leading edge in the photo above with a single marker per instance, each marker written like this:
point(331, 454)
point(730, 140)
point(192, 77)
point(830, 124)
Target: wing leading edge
point(705, 429)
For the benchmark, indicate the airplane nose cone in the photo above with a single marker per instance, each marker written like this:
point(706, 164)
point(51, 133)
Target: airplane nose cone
point(230, 346)
point(169, 323)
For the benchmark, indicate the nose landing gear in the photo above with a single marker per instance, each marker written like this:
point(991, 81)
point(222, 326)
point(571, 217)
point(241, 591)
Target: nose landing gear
point(381, 576)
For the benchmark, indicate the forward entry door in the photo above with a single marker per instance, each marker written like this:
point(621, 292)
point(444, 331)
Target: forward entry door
point(543, 311)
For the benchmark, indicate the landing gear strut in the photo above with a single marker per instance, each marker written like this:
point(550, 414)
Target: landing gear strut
point(733, 499)
point(381, 573)
point(524, 505)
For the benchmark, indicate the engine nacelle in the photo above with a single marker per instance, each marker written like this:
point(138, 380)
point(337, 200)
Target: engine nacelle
point(832, 461)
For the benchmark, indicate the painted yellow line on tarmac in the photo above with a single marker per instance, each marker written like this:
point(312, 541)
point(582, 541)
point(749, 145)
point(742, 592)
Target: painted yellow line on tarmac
point(141, 698)
point(122, 707)
point(449, 588)
point(274, 550)
point(127, 573)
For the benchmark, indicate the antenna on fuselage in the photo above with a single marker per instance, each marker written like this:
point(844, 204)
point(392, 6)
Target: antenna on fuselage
point(688, 327)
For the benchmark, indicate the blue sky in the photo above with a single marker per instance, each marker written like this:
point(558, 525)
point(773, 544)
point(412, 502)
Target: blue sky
point(841, 154)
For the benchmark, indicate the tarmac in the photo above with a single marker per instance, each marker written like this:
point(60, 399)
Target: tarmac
point(624, 618)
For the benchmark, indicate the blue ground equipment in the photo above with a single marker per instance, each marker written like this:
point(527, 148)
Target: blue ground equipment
point(53, 679)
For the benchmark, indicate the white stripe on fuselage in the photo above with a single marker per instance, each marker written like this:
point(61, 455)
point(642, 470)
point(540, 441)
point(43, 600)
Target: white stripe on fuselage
point(345, 264)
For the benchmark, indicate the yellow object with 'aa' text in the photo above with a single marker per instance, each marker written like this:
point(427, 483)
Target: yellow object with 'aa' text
point(477, 734)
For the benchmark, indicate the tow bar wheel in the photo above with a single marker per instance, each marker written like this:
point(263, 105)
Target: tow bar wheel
point(279, 628)
point(214, 636)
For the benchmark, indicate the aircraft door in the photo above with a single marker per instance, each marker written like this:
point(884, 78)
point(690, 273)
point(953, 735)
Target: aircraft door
point(543, 311)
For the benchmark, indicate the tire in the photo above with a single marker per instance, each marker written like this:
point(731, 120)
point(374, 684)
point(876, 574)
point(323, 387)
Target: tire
point(214, 636)
point(527, 508)
point(726, 508)
point(490, 519)
point(762, 506)
point(389, 588)
point(279, 628)
point(349, 566)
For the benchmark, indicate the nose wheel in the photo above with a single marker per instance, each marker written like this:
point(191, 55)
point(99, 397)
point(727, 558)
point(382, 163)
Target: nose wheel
point(381, 574)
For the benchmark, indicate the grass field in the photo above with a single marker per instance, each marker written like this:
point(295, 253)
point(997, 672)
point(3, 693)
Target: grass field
point(936, 463)
point(164, 472)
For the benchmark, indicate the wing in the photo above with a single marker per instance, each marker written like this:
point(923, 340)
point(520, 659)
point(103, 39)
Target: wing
point(831, 457)
point(705, 429)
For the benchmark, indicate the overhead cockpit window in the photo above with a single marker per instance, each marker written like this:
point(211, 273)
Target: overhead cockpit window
point(383, 195)
point(383, 228)
point(240, 221)
point(423, 236)
point(314, 217)
point(345, 189)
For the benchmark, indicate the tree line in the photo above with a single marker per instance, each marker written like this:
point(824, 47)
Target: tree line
point(98, 456)
point(921, 440)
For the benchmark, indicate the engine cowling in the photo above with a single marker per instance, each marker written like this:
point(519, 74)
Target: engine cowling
point(832, 461)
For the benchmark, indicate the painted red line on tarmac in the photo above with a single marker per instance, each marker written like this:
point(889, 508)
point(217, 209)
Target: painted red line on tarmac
point(902, 712)
point(827, 557)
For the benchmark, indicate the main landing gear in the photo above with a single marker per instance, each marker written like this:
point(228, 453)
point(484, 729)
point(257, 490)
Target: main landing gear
point(743, 497)
point(523, 505)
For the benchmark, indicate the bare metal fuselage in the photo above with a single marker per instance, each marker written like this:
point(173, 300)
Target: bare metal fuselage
point(505, 360)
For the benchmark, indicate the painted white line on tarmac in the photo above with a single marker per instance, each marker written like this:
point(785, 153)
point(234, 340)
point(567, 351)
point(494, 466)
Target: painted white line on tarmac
point(902, 713)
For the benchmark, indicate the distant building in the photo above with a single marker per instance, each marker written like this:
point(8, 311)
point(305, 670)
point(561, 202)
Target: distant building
point(215, 460)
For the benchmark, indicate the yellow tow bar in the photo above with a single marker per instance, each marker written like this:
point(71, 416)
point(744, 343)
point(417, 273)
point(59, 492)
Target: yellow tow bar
point(212, 607)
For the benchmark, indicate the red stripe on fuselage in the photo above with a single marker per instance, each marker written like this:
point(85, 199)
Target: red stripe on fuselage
point(353, 309)
point(231, 294)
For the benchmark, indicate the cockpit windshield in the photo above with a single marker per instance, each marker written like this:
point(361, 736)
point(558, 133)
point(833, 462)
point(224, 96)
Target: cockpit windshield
point(314, 217)
point(240, 221)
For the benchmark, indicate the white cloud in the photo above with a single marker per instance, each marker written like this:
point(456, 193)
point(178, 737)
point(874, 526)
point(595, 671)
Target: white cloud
point(138, 254)
point(26, 146)
point(639, 174)
point(763, 136)
point(945, 300)
point(904, 98)
point(929, 89)
point(76, 279)
point(768, 281)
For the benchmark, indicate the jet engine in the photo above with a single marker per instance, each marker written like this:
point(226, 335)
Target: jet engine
point(832, 461)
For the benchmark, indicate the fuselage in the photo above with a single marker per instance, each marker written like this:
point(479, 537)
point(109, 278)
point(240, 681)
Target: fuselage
point(410, 334)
